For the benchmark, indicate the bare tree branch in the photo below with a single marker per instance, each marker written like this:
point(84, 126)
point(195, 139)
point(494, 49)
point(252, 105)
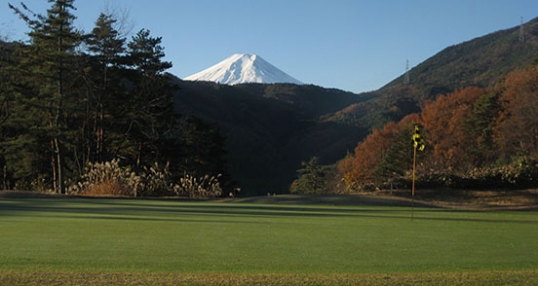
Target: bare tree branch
point(124, 22)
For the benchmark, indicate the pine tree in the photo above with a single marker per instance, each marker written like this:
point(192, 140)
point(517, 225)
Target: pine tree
point(47, 64)
point(149, 112)
point(106, 51)
point(312, 178)
point(480, 127)
point(6, 100)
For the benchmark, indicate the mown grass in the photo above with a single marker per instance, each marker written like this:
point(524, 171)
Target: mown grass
point(232, 244)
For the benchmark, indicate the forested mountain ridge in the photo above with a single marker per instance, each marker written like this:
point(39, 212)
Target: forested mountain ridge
point(271, 128)
point(482, 61)
point(267, 139)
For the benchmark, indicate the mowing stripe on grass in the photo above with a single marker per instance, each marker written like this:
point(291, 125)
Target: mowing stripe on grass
point(154, 236)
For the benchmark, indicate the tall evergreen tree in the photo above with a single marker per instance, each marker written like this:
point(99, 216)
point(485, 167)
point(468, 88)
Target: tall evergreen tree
point(106, 50)
point(149, 112)
point(6, 100)
point(5, 74)
point(312, 178)
point(480, 126)
point(47, 63)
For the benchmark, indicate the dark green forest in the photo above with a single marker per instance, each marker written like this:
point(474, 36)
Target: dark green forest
point(73, 103)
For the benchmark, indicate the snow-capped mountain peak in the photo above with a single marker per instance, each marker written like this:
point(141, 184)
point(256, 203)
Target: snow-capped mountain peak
point(243, 68)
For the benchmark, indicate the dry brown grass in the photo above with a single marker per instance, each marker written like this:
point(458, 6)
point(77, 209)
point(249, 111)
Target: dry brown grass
point(30, 278)
point(108, 188)
point(481, 199)
point(438, 198)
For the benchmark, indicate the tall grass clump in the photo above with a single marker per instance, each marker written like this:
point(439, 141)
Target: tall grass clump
point(156, 181)
point(111, 179)
point(107, 178)
point(202, 187)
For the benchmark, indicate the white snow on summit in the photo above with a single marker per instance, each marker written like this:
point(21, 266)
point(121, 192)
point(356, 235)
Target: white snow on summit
point(243, 68)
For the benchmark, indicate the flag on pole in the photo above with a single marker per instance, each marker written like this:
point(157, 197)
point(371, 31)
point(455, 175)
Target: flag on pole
point(418, 144)
point(418, 141)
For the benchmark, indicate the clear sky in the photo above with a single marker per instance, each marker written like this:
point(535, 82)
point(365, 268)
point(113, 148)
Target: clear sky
point(354, 45)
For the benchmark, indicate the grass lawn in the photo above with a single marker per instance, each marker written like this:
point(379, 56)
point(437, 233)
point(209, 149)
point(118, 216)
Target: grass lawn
point(71, 238)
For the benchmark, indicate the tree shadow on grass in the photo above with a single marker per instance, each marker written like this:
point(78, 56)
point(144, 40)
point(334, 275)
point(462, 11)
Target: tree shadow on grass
point(151, 210)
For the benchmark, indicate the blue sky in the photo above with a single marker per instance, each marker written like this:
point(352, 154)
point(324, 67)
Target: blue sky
point(354, 45)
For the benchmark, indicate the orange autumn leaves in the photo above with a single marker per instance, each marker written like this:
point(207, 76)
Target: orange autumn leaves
point(468, 129)
point(517, 125)
point(379, 153)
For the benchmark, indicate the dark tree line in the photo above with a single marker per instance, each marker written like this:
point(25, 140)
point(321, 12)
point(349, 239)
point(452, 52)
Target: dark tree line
point(68, 98)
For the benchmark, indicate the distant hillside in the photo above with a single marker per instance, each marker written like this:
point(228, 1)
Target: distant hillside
point(482, 61)
point(270, 129)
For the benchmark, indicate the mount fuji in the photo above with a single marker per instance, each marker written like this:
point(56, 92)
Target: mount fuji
point(243, 68)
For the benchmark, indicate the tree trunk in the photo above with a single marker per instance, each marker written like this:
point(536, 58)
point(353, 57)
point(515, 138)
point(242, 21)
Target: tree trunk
point(54, 167)
point(59, 171)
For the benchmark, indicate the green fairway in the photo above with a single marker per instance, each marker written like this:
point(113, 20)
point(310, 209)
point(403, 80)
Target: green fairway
point(163, 236)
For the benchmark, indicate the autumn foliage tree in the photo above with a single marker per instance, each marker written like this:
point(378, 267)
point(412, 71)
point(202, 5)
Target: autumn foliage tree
point(382, 155)
point(474, 136)
point(445, 121)
point(516, 130)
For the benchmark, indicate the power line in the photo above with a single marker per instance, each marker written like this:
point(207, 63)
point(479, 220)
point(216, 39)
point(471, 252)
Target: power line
point(406, 76)
point(521, 31)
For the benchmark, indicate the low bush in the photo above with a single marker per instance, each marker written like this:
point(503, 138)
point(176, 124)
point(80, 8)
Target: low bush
point(202, 187)
point(522, 173)
point(107, 178)
point(111, 179)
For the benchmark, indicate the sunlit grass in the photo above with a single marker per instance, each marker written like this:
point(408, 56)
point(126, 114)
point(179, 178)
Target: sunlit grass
point(152, 236)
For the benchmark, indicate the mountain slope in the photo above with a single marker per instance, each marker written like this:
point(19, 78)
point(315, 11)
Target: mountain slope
point(271, 128)
point(481, 61)
point(243, 68)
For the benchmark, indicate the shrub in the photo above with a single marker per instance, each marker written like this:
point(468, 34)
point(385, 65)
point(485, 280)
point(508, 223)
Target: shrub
point(202, 187)
point(156, 181)
point(521, 173)
point(312, 178)
point(108, 178)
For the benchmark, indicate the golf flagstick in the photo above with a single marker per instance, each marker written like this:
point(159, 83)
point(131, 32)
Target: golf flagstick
point(418, 143)
point(413, 181)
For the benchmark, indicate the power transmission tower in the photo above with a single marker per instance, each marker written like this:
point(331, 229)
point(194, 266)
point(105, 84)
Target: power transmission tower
point(406, 76)
point(521, 31)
